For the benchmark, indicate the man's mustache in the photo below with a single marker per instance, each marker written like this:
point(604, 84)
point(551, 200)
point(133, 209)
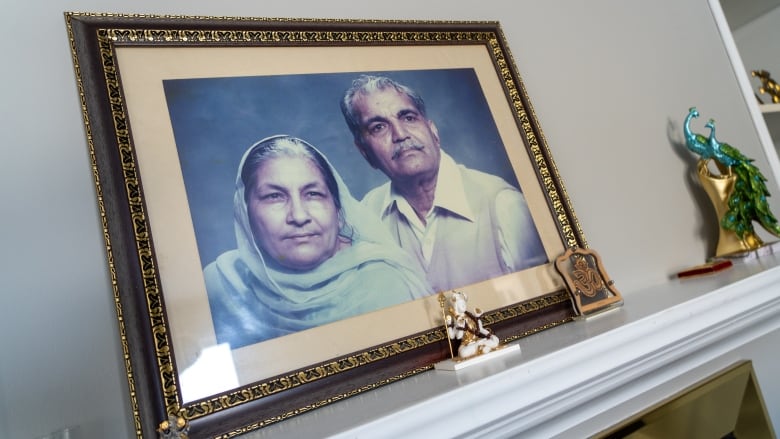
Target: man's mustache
point(400, 149)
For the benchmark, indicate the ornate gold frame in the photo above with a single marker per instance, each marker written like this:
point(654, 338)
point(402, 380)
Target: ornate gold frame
point(143, 317)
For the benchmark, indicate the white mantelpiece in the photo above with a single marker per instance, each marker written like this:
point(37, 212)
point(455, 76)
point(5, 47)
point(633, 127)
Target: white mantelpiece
point(583, 377)
point(610, 81)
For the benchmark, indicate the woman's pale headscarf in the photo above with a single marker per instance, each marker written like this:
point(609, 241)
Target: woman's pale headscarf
point(252, 301)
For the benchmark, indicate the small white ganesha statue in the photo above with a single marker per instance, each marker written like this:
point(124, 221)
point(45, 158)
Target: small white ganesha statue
point(466, 326)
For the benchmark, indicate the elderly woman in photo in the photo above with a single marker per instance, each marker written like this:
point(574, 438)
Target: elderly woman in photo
point(308, 254)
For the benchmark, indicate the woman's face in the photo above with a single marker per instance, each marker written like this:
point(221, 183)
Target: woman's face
point(292, 213)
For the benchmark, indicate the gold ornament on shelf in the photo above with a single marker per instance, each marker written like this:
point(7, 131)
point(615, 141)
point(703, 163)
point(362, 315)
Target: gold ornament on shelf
point(768, 86)
point(591, 289)
point(738, 193)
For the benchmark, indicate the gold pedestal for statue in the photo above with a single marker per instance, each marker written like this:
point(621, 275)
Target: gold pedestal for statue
point(719, 188)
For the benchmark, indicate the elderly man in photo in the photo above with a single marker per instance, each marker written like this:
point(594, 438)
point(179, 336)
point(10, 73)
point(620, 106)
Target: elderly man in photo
point(462, 226)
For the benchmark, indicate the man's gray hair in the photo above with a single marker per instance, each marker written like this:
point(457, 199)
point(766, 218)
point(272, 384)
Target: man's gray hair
point(366, 84)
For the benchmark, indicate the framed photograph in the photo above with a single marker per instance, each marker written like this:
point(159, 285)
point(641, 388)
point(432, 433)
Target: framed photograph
point(282, 200)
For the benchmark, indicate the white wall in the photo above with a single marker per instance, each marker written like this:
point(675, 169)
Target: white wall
point(757, 43)
point(610, 80)
point(758, 48)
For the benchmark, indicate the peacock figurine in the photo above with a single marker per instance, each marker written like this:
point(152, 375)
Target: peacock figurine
point(743, 198)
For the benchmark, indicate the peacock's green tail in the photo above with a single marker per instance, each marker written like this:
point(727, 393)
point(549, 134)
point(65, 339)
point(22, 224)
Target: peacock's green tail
point(748, 202)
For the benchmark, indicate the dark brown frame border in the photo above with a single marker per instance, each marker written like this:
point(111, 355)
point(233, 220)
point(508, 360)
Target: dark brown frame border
point(140, 305)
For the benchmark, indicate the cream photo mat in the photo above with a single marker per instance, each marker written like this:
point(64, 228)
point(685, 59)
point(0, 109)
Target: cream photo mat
point(142, 71)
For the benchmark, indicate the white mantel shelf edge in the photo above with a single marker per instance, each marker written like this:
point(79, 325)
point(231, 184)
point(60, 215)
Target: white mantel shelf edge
point(576, 379)
point(770, 108)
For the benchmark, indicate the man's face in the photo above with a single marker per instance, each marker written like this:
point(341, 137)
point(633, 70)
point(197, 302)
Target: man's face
point(395, 137)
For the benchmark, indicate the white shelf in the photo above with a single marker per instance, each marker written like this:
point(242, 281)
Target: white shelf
point(770, 108)
point(576, 379)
